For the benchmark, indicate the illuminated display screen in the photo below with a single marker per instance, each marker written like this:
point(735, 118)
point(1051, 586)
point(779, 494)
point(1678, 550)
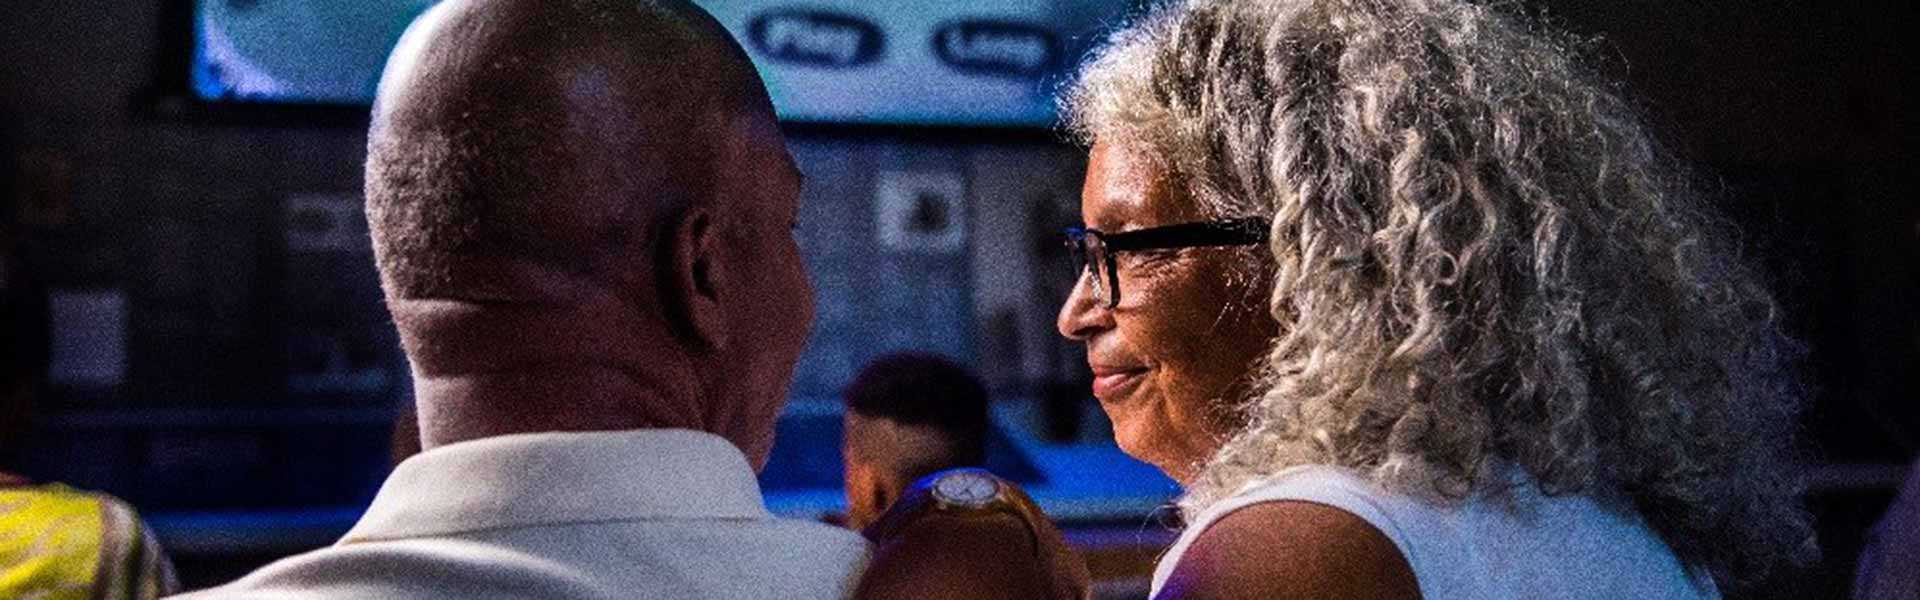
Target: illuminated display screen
point(935, 62)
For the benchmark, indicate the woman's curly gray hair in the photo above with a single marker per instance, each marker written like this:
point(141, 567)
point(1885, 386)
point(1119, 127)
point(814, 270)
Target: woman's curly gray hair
point(1481, 256)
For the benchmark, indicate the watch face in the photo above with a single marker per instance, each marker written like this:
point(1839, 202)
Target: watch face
point(972, 489)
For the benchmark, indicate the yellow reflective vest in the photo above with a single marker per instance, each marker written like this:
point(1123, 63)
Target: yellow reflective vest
point(58, 543)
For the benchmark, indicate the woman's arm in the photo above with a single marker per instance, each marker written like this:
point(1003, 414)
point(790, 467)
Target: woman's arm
point(1291, 550)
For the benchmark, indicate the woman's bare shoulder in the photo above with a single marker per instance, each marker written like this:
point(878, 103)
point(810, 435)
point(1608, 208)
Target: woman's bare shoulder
point(1291, 549)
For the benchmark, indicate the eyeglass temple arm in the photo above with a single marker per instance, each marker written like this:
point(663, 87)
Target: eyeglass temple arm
point(1236, 232)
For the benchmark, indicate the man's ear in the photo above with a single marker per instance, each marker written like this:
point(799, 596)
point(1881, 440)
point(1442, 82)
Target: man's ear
point(691, 283)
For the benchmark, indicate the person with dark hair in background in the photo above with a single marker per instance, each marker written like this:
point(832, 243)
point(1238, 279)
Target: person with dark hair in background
point(583, 217)
point(908, 415)
point(55, 541)
point(916, 430)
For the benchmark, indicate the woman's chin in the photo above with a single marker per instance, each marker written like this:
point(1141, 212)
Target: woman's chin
point(1178, 470)
point(1138, 446)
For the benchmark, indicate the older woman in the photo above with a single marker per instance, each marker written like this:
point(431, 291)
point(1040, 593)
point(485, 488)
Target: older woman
point(1504, 351)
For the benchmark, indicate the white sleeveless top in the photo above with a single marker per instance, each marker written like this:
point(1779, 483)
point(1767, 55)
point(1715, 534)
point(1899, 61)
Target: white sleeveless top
point(1507, 541)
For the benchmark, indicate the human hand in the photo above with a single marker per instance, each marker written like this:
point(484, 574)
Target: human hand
point(966, 534)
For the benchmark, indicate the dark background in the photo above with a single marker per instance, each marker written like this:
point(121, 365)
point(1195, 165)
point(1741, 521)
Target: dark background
point(1799, 109)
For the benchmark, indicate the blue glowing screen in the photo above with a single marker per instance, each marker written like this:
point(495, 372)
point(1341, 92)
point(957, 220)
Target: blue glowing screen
point(979, 62)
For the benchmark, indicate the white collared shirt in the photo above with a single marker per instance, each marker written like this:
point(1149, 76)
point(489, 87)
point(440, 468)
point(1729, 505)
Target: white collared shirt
point(632, 514)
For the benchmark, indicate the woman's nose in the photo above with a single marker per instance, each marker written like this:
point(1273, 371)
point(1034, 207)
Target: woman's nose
point(1081, 316)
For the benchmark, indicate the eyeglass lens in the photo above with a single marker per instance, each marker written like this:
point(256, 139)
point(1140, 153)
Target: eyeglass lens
point(1091, 253)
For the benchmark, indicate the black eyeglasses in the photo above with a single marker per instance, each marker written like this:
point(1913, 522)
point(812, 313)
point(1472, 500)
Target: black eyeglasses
point(1093, 249)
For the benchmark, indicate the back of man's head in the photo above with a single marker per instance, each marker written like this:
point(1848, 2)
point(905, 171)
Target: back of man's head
point(548, 133)
point(587, 198)
point(908, 416)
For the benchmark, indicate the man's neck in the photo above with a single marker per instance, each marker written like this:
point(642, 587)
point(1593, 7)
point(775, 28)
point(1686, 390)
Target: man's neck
point(589, 398)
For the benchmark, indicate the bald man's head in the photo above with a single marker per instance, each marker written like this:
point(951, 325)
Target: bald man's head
point(551, 133)
point(586, 203)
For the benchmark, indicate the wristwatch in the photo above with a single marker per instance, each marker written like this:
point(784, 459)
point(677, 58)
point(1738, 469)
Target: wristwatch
point(962, 493)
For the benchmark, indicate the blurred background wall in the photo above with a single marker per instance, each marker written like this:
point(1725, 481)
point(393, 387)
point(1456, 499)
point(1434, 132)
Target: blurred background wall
point(220, 346)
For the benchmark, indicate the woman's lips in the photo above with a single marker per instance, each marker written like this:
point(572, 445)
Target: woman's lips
point(1108, 381)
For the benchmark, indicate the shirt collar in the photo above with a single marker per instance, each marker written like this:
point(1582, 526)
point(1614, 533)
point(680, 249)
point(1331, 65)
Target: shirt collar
point(555, 478)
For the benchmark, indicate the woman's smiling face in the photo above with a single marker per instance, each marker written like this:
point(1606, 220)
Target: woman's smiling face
point(1172, 360)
